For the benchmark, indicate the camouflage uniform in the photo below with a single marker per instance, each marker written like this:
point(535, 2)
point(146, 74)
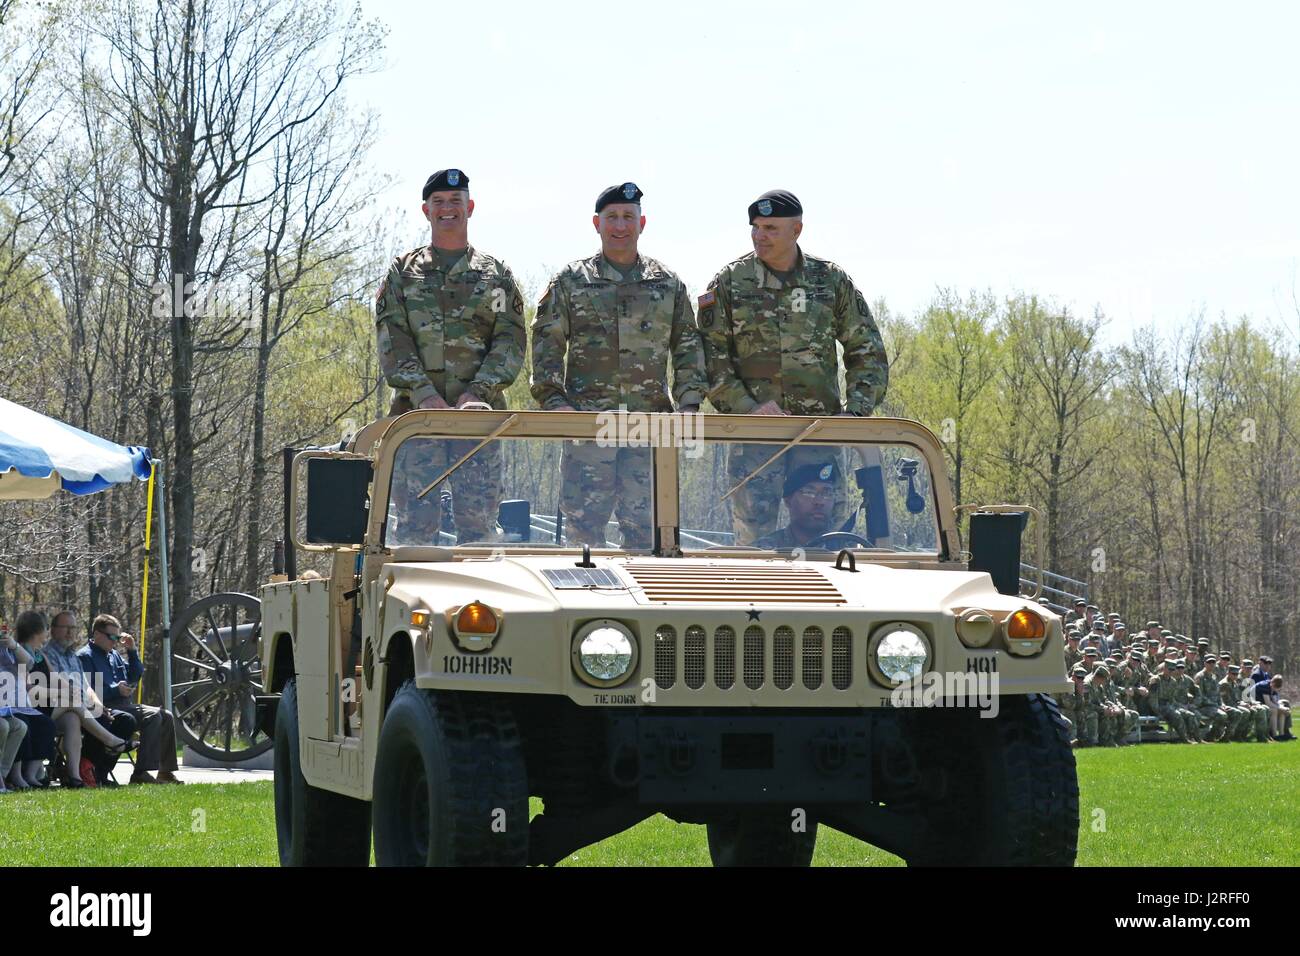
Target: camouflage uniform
point(603, 339)
point(769, 339)
point(1209, 708)
point(447, 328)
point(1072, 657)
point(1165, 697)
point(1123, 686)
point(1188, 695)
point(781, 539)
point(1073, 704)
point(1141, 678)
point(1238, 715)
point(1116, 691)
point(1258, 718)
point(1099, 726)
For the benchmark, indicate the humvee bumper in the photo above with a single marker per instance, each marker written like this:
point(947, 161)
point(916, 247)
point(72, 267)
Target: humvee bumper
point(696, 758)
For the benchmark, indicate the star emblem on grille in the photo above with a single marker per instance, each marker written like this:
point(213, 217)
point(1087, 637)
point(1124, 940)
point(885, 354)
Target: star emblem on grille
point(753, 615)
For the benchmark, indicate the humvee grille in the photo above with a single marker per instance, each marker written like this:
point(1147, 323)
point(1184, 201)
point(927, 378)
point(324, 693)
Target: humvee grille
point(724, 657)
point(783, 657)
point(699, 582)
point(808, 654)
point(665, 656)
point(841, 658)
point(812, 657)
point(754, 657)
point(693, 656)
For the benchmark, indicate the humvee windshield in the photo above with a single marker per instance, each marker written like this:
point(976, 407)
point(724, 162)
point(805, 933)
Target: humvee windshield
point(563, 493)
point(811, 497)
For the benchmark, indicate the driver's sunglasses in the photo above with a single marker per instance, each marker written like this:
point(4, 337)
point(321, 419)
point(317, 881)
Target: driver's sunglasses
point(816, 494)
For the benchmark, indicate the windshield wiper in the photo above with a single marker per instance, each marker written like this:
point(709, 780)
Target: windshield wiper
point(812, 427)
point(496, 433)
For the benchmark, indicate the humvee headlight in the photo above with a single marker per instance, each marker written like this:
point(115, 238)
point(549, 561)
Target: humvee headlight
point(897, 654)
point(604, 653)
point(476, 618)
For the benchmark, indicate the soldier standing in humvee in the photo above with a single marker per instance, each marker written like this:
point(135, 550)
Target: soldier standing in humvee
point(606, 330)
point(770, 322)
point(450, 321)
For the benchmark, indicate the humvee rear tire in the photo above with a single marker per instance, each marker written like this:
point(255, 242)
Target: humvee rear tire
point(313, 827)
point(1011, 796)
point(451, 787)
point(761, 837)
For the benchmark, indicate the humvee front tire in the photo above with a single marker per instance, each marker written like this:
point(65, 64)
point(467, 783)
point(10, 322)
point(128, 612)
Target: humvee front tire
point(760, 837)
point(313, 827)
point(451, 787)
point(1010, 795)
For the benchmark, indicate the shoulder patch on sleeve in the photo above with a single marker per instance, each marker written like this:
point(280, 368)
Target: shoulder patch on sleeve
point(708, 299)
point(383, 287)
point(862, 306)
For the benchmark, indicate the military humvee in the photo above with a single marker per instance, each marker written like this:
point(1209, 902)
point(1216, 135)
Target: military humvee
point(877, 680)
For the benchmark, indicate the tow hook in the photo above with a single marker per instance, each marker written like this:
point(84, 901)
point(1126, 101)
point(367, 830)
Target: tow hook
point(830, 752)
point(678, 752)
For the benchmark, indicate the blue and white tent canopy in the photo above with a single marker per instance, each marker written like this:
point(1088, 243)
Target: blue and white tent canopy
point(40, 455)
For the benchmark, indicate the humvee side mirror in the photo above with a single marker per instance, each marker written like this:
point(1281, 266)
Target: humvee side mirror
point(338, 508)
point(995, 547)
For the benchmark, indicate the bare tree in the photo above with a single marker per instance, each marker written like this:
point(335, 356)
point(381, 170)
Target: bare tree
point(1054, 399)
point(206, 90)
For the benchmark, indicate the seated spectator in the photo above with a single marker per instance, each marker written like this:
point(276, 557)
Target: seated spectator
point(1283, 710)
point(103, 657)
point(18, 658)
point(76, 703)
point(1268, 691)
point(12, 730)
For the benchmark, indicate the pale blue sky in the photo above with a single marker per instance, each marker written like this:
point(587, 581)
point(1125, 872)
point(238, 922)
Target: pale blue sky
point(1140, 156)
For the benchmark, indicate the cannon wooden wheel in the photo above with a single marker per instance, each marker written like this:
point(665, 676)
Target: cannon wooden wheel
point(216, 671)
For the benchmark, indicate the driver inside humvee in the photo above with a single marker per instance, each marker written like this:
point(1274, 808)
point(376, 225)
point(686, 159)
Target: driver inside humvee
point(809, 494)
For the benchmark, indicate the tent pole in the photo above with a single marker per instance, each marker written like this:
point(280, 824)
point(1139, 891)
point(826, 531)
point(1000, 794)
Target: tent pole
point(161, 505)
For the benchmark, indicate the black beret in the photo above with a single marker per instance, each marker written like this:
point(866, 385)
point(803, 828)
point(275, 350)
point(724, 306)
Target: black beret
point(624, 192)
point(777, 204)
point(804, 474)
point(443, 180)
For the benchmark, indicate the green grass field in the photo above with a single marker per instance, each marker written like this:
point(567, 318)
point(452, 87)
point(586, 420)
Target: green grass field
point(1154, 805)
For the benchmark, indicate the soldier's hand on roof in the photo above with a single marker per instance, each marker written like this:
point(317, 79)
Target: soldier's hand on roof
point(434, 401)
point(768, 408)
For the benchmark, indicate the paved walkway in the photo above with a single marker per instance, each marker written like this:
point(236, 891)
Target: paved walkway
point(195, 775)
